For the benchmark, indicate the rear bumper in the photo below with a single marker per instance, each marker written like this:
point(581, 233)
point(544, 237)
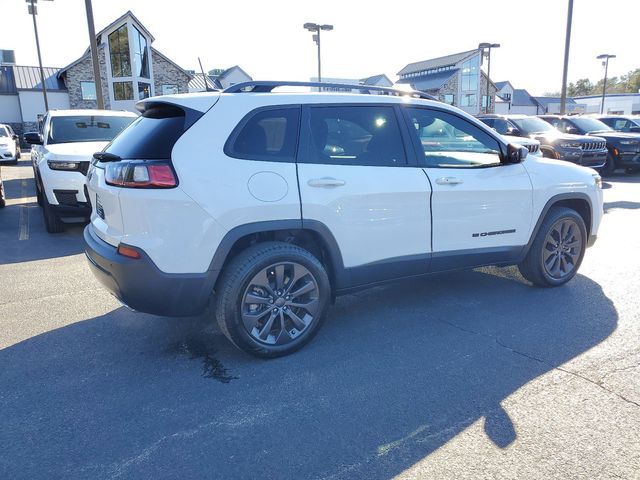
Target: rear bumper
point(140, 285)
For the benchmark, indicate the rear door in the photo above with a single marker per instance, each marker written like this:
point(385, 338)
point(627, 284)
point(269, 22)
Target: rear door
point(482, 208)
point(357, 178)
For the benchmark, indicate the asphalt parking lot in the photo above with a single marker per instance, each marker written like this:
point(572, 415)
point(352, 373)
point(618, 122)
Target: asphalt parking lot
point(464, 375)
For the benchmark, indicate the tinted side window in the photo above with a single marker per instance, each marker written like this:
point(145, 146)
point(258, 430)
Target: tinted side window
point(152, 135)
point(501, 126)
point(355, 135)
point(270, 135)
point(449, 141)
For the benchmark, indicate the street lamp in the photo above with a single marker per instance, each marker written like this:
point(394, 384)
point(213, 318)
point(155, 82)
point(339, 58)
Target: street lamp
point(315, 28)
point(33, 11)
point(565, 68)
point(93, 45)
point(605, 63)
point(488, 46)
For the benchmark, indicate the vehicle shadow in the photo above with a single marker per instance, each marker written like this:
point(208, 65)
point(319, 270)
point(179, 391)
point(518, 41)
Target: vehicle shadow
point(622, 204)
point(22, 233)
point(394, 374)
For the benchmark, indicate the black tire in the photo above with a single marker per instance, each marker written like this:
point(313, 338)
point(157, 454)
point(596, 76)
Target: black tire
point(545, 244)
point(609, 168)
point(2, 200)
point(238, 283)
point(52, 221)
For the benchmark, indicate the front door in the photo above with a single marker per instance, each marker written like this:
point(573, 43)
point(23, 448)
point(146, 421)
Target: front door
point(482, 208)
point(356, 178)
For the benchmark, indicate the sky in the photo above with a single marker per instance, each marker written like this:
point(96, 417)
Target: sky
point(267, 40)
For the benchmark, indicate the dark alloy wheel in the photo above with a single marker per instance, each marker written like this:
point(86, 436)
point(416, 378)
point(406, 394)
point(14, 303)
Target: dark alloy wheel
point(271, 298)
point(562, 249)
point(609, 168)
point(557, 249)
point(280, 303)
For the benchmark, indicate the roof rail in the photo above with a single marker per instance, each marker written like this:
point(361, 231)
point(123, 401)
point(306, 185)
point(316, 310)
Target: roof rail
point(268, 86)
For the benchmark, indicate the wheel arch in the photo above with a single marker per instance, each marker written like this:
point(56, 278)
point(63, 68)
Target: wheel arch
point(578, 201)
point(311, 235)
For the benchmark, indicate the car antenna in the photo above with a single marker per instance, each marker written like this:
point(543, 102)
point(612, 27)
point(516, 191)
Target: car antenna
point(204, 77)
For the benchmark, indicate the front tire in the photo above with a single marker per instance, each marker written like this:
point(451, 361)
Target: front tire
point(272, 298)
point(557, 250)
point(52, 221)
point(609, 167)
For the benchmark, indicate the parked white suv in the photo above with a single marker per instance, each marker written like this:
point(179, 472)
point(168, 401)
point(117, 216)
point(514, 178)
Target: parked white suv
point(269, 204)
point(61, 153)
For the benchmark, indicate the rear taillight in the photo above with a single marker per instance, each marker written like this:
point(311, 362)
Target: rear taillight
point(141, 174)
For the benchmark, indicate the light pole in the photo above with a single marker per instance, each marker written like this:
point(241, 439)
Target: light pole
point(94, 55)
point(605, 63)
point(315, 28)
point(33, 11)
point(567, 43)
point(482, 47)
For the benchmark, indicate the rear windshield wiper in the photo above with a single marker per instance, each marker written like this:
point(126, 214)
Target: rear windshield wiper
point(106, 157)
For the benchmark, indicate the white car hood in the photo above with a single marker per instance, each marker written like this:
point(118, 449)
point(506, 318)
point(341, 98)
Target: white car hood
point(73, 151)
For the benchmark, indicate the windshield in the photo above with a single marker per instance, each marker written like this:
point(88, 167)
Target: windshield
point(85, 128)
point(531, 125)
point(591, 125)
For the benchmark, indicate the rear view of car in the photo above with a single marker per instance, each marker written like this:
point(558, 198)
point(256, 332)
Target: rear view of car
point(61, 154)
point(9, 145)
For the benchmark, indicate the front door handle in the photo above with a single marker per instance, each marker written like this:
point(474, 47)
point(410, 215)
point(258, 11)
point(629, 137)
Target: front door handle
point(326, 182)
point(449, 181)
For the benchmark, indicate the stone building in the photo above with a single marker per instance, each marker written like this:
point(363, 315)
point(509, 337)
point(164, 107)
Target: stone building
point(456, 79)
point(130, 69)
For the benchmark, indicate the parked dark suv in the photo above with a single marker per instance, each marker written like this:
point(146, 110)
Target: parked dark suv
point(584, 150)
point(622, 123)
point(623, 148)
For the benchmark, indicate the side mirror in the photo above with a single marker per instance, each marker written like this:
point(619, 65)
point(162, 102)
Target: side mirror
point(513, 131)
point(515, 154)
point(14, 136)
point(33, 138)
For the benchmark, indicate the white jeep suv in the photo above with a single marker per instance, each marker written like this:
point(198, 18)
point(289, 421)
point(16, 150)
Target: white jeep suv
point(61, 153)
point(265, 205)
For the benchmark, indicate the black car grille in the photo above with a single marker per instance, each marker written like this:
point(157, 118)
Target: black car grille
point(533, 148)
point(589, 146)
point(66, 197)
point(83, 167)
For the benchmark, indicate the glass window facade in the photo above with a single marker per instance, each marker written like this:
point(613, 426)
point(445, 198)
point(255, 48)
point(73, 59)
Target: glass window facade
point(468, 100)
point(169, 89)
point(123, 90)
point(140, 54)
point(144, 90)
point(119, 52)
point(448, 98)
point(469, 74)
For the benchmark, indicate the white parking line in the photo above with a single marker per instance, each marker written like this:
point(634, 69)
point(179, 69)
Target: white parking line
point(24, 213)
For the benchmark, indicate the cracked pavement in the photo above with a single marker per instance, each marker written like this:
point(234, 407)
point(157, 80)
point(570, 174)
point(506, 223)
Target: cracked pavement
point(467, 375)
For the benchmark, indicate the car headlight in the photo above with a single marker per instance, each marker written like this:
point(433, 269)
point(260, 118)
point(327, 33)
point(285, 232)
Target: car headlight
point(598, 179)
point(629, 142)
point(60, 165)
point(570, 145)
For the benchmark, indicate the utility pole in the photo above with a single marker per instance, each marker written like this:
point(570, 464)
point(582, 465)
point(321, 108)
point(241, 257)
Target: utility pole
point(94, 55)
point(316, 28)
point(33, 11)
point(488, 46)
point(605, 62)
point(567, 42)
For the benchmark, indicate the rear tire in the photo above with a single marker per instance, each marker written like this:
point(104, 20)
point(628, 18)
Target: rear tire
point(2, 200)
point(557, 250)
point(52, 221)
point(272, 298)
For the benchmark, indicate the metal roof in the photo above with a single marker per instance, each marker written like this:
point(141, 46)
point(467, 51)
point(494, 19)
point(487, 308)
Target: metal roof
point(28, 78)
point(523, 98)
point(546, 101)
point(432, 81)
point(372, 80)
point(197, 82)
point(452, 59)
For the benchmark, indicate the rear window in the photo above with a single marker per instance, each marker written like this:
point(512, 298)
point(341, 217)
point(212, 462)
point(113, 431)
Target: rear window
point(152, 135)
point(86, 128)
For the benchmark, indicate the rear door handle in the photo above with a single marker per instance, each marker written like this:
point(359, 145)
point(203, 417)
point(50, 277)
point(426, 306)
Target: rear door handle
point(326, 182)
point(448, 181)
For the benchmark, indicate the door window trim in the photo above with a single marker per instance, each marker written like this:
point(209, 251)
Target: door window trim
point(305, 137)
point(419, 150)
point(228, 145)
